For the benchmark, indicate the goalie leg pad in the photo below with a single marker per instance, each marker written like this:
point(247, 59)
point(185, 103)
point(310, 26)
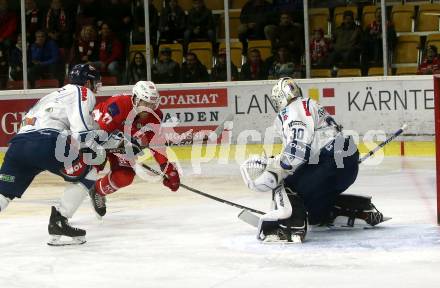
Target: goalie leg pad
point(355, 209)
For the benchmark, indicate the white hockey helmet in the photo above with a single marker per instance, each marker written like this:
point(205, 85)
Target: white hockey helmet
point(284, 91)
point(146, 91)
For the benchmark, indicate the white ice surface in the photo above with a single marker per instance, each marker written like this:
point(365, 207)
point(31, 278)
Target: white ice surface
point(155, 238)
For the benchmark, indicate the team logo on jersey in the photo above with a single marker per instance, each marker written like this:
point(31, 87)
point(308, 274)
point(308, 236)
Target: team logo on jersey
point(113, 109)
point(7, 178)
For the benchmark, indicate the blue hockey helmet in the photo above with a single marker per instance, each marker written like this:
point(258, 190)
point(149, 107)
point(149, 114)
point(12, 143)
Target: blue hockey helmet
point(81, 73)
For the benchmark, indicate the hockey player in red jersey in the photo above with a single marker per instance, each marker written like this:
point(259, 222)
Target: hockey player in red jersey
point(139, 116)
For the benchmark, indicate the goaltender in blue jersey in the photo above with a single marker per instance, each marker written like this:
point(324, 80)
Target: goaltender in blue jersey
point(316, 165)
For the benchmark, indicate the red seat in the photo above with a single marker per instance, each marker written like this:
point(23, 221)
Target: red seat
point(14, 85)
point(46, 83)
point(109, 80)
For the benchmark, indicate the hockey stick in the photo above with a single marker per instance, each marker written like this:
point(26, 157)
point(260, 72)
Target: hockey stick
point(381, 145)
point(217, 133)
point(205, 194)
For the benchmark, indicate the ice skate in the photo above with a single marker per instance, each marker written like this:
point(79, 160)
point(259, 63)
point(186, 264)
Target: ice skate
point(98, 203)
point(59, 226)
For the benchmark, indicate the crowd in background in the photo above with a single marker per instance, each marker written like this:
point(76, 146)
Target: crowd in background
point(61, 33)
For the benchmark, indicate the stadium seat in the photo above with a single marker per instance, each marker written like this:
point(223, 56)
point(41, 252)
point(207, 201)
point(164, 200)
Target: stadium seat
point(319, 19)
point(238, 4)
point(402, 17)
point(426, 22)
point(14, 85)
point(339, 14)
point(203, 50)
point(264, 46)
point(349, 72)
point(46, 83)
point(186, 5)
point(407, 49)
point(158, 4)
point(377, 71)
point(234, 22)
point(433, 39)
point(214, 4)
point(320, 73)
point(109, 80)
point(406, 70)
point(176, 51)
point(236, 51)
point(368, 15)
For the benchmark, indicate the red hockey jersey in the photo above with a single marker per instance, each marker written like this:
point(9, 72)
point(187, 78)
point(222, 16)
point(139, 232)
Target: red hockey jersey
point(116, 113)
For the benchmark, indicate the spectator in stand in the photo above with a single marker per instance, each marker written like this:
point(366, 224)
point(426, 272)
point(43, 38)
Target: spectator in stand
point(254, 68)
point(4, 67)
point(346, 42)
point(193, 70)
point(139, 23)
point(117, 13)
point(284, 66)
point(172, 23)
point(58, 24)
point(44, 56)
point(34, 19)
point(87, 13)
point(85, 48)
point(16, 60)
point(137, 70)
point(319, 48)
point(110, 52)
point(200, 24)
point(290, 35)
point(166, 70)
point(373, 39)
point(8, 21)
point(431, 63)
point(218, 73)
point(255, 18)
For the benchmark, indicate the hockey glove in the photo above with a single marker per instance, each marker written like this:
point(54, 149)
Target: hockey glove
point(171, 179)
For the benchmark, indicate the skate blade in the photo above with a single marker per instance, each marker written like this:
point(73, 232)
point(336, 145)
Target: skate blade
point(55, 240)
point(295, 240)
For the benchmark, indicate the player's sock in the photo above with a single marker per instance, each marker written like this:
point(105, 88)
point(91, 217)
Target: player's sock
point(4, 202)
point(59, 226)
point(73, 196)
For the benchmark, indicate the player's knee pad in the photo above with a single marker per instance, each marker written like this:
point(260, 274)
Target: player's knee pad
point(4, 202)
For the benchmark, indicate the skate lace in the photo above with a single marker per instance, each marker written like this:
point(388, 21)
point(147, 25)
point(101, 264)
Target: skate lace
point(374, 217)
point(99, 201)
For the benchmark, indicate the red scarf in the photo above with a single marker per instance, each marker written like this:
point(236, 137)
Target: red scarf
point(85, 48)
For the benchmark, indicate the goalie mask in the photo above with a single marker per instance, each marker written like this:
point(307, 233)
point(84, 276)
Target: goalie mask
point(284, 92)
point(145, 91)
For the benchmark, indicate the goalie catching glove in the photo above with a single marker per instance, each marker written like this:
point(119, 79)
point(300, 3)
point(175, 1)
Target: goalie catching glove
point(171, 179)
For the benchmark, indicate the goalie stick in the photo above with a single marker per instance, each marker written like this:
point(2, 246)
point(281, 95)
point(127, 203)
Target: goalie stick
point(205, 194)
point(381, 145)
point(253, 219)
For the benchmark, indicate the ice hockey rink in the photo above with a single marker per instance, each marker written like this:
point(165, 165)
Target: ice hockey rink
point(152, 237)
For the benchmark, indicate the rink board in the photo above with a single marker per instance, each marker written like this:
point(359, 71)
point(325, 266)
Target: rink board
point(369, 108)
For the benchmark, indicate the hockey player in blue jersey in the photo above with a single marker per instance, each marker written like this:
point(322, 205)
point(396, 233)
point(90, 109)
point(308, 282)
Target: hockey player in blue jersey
point(316, 165)
point(33, 149)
